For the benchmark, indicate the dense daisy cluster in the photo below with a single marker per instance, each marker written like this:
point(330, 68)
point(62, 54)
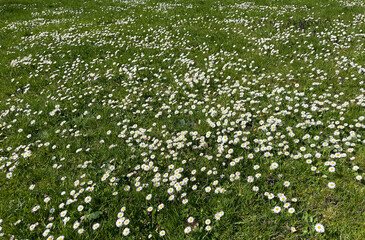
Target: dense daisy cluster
point(150, 130)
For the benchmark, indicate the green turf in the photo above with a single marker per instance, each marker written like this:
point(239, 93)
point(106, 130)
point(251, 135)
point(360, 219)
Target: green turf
point(116, 100)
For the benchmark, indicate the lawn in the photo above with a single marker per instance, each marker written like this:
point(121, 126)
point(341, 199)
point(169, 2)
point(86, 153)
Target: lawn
point(185, 119)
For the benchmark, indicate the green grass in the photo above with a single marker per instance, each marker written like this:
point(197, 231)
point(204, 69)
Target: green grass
point(167, 74)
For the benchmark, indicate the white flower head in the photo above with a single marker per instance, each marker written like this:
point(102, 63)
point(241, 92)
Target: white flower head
point(187, 230)
point(331, 185)
point(126, 231)
point(96, 226)
point(319, 228)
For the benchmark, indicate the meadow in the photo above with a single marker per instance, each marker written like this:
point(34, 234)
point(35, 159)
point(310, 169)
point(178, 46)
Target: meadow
point(184, 119)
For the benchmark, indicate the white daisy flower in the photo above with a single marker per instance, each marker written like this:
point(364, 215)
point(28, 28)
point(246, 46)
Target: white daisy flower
point(319, 228)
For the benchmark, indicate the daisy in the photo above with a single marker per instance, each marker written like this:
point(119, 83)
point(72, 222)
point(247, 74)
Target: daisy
point(161, 206)
point(126, 231)
point(65, 220)
point(286, 205)
point(119, 222)
point(319, 228)
point(76, 225)
point(96, 226)
point(63, 213)
point(45, 233)
point(87, 199)
point(35, 208)
point(162, 233)
point(274, 166)
point(250, 179)
point(187, 230)
point(276, 209)
point(32, 227)
point(331, 185)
